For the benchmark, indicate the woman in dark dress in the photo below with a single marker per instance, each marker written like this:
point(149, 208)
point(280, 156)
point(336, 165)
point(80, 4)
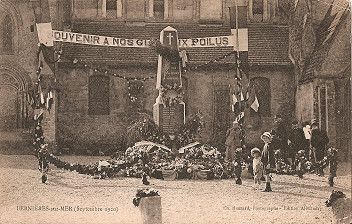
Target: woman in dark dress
point(318, 143)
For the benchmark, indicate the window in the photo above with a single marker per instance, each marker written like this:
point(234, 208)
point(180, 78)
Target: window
point(262, 90)
point(6, 43)
point(210, 10)
point(111, 9)
point(258, 10)
point(98, 95)
point(158, 9)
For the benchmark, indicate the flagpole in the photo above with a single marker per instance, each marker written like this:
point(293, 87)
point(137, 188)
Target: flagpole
point(238, 75)
point(236, 27)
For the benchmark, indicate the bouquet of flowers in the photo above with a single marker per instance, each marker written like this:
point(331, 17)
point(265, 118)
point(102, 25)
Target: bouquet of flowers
point(143, 193)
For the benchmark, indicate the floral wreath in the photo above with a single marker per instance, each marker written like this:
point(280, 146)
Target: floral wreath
point(171, 95)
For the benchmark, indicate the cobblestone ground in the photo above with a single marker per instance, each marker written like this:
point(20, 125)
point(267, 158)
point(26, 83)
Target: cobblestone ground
point(293, 200)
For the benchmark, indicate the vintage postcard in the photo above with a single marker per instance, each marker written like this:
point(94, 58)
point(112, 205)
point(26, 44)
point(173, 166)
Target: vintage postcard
point(175, 111)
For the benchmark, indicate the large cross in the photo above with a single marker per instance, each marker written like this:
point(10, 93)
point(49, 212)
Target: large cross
point(170, 37)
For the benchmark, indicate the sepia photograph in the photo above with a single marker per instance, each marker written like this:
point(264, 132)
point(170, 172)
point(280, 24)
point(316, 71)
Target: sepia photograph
point(175, 112)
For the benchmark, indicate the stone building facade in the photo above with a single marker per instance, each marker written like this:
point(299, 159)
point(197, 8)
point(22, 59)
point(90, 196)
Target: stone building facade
point(321, 50)
point(17, 70)
point(78, 122)
point(207, 87)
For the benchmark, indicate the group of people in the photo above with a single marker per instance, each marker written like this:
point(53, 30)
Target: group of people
point(280, 140)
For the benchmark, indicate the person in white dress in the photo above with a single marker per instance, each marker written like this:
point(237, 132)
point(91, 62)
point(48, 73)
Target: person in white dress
point(257, 167)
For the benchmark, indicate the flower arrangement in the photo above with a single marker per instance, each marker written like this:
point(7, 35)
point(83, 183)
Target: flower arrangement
point(143, 193)
point(191, 130)
point(146, 129)
point(171, 95)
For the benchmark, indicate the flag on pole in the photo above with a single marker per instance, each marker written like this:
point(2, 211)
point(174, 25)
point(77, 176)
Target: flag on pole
point(239, 30)
point(253, 101)
point(255, 104)
point(42, 100)
point(47, 101)
point(242, 97)
point(234, 102)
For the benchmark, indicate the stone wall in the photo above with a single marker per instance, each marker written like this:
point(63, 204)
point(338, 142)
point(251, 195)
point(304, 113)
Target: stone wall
point(282, 100)
point(309, 106)
point(21, 66)
point(305, 102)
point(80, 131)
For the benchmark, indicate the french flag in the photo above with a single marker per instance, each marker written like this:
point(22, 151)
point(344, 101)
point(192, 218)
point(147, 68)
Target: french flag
point(239, 31)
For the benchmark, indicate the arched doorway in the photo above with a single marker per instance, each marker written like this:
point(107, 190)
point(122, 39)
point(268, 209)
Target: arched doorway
point(8, 107)
point(15, 137)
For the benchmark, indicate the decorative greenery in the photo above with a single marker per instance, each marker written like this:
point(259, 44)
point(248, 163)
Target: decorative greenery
point(142, 193)
point(171, 95)
point(135, 89)
point(190, 131)
point(144, 128)
point(167, 51)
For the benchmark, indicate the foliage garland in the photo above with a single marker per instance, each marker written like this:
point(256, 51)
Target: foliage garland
point(168, 100)
point(166, 51)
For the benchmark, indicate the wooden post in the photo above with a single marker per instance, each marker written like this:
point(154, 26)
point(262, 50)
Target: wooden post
point(150, 208)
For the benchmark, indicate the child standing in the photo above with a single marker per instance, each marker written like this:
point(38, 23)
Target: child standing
point(268, 159)
point(257, 167)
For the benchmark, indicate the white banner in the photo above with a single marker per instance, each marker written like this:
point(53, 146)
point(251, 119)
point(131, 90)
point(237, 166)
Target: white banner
point(47, 36)
point(221, 41)
point(89, 39)
point(44, 34)
point(242, 39)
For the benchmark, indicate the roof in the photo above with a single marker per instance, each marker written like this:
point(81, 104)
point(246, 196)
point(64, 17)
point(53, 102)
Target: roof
point(268, 44)
point(327, 30)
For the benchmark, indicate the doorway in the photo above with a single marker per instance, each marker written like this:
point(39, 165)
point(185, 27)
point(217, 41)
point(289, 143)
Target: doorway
point(15, 133)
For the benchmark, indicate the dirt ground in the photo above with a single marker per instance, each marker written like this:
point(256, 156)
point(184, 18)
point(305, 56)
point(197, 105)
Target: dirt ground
point(293, 200)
